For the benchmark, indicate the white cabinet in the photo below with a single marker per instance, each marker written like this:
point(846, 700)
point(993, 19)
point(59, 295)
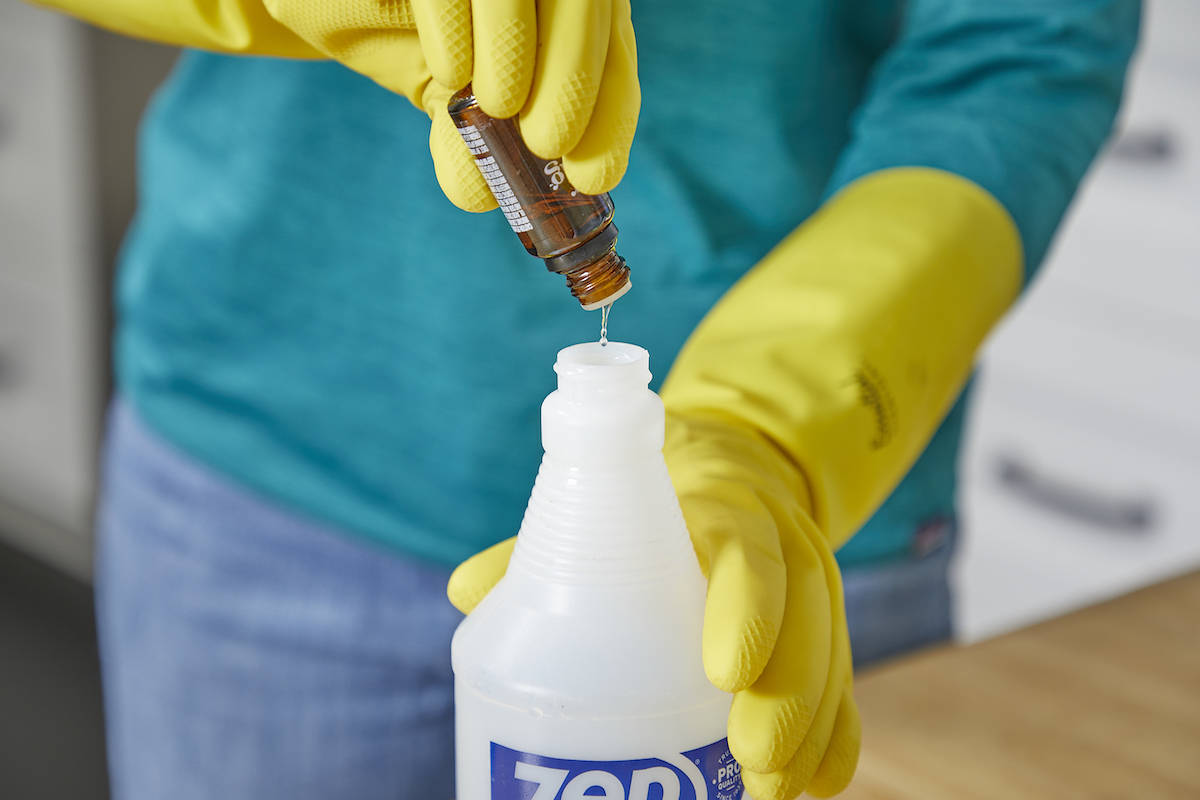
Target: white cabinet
point(52, 348)
point(1081, 474)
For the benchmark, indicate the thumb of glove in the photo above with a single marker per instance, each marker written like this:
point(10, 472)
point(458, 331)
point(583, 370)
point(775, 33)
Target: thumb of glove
point(474, 578)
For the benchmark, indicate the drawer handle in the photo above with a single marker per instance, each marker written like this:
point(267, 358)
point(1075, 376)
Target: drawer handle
point(1146, 146)
point(1086, 505)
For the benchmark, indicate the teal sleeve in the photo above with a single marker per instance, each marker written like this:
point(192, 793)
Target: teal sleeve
point(1015, 95)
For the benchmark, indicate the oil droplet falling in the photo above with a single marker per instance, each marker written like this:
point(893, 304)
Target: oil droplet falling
point(604, 324)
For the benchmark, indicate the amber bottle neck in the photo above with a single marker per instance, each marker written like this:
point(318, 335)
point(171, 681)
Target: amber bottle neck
point(598, 282)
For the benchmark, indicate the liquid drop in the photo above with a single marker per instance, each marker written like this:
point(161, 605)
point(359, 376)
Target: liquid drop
point(604, 324)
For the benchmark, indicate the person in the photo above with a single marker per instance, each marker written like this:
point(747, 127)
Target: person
point(329, 375)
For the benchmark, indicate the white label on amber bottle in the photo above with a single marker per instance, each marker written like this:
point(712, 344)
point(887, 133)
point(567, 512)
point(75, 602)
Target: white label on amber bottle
point(495, 180)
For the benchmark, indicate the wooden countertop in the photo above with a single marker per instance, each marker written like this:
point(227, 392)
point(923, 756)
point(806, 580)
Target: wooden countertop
point(1100, 704)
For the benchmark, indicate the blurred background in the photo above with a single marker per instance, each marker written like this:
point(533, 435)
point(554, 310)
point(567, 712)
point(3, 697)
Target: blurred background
point(1084, 439)
point(70, 99)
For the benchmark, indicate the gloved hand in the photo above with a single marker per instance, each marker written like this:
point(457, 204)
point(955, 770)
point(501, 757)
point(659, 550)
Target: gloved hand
point(794, 409)
point(797, 405)
point(569, 67)
point(774, 623)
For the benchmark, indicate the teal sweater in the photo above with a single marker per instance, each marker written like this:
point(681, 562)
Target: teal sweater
point(301, 308)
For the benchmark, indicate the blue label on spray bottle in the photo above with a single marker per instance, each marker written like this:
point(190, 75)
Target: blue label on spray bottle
point(708, 773)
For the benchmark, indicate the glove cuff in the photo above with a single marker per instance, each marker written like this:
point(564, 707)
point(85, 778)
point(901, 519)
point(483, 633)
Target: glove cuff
point(849, 342)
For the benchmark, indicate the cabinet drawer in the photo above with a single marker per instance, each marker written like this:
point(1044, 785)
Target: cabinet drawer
point(1133, 231)
point(1145, 367)
point(1064, 506)
point(1126, 262)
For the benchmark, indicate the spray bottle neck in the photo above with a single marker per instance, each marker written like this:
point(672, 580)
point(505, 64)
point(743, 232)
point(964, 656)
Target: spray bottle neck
point(603, 414)
point(603, 506)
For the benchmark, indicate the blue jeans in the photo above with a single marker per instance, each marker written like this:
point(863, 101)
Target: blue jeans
point(895, 608)
point(252, 654)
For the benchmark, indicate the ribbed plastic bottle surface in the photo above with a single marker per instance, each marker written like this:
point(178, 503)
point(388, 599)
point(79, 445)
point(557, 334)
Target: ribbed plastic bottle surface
point(580, 674)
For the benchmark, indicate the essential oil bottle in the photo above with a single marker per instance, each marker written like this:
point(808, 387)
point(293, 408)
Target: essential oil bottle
point(571, 231)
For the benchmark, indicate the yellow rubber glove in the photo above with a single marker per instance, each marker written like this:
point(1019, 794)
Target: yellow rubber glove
point(793, 411)
point(774, 623)
point(569, 67)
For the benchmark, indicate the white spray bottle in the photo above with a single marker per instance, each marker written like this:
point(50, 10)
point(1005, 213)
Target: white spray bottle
point(580, 674)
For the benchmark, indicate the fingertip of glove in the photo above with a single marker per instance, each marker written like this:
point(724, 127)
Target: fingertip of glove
point(732, 669)
point(465, 589)
point(474, 578)
point(463, 595)
point(445, 31)
point(469, 198)
point(833, 782)
point(766, 787)
point(555, 122)
point(596, 176)
point(772, 786)
point(840, 761)
point(760, 787)
point(503, 107)
point(596, 167)
point(786, 782)
point(455, 167)
point(462, 189)
point(764, 741)
point(504, 70)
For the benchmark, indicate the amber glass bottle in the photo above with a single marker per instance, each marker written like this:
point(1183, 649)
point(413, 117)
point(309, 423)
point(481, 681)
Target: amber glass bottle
point(571, 231)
